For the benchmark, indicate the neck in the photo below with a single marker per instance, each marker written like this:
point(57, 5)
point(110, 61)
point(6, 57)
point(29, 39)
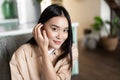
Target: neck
point(50, 48)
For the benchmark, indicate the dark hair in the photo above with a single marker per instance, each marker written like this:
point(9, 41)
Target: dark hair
point(53, 11)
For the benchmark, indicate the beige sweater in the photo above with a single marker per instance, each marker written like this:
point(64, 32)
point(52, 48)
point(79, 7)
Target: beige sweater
point(25, 65)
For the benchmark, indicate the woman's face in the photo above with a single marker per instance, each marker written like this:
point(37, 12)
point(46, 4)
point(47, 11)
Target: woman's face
point(57, 31)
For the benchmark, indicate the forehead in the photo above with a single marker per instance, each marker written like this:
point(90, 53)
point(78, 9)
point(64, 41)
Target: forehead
point(60, 21)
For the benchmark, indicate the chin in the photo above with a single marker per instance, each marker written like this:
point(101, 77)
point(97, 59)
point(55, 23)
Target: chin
point(56, 47)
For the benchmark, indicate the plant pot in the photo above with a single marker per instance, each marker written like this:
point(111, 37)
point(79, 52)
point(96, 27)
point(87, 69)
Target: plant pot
point(109, 43)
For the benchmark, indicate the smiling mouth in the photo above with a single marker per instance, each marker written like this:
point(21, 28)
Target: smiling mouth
point(57, 42)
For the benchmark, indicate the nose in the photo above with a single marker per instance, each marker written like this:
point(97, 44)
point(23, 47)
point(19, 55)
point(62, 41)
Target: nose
point(60, 35)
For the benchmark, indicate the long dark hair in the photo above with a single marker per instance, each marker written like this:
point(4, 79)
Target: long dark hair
point(53, 11)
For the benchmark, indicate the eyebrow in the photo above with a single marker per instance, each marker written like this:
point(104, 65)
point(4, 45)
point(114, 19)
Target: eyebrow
point(59, 26)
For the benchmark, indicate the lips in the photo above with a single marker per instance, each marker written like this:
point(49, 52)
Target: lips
point(57, 42)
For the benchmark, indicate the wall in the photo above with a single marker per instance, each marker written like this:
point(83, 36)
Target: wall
point(82, 11)
point(105, 10)
point(105, 14)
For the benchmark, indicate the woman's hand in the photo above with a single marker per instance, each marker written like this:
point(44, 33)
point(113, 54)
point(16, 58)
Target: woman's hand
point(41, 38)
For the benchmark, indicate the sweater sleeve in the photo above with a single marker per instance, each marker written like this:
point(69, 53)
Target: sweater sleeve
point(14, 68)
point(18, 65)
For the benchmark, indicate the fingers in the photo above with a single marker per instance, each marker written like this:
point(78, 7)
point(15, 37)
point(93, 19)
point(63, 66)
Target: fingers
point(45, 35)
point(37, 31)
point(34, 29)
point(39, 34)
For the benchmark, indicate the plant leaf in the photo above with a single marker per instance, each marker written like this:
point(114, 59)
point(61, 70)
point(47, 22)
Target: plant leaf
point(39, 1)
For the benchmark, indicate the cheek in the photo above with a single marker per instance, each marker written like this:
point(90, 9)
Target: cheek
point(65, 36)
point(50, 34)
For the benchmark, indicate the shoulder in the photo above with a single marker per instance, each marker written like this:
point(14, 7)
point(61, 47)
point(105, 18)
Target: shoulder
point(24, 47)
point(22, 54)
point(23, 50)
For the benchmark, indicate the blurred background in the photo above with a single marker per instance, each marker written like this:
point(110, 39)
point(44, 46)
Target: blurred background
point(18, 17)
point(26, 11)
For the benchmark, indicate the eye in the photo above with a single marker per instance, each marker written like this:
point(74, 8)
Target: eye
point(54, 29)
point(65, 30)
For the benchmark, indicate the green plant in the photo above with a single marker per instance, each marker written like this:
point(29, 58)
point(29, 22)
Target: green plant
point(114, 25)
point(39, 1)
point(98, 23)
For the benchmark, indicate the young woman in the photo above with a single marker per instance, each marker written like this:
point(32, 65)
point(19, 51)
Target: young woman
point(49, 55)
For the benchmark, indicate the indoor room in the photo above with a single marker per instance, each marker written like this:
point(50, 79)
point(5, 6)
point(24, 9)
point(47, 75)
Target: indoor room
point(93, 23)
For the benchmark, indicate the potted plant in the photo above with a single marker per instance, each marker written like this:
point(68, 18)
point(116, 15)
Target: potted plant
point(91, 36)
point(110, 42)
point(98, 23)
